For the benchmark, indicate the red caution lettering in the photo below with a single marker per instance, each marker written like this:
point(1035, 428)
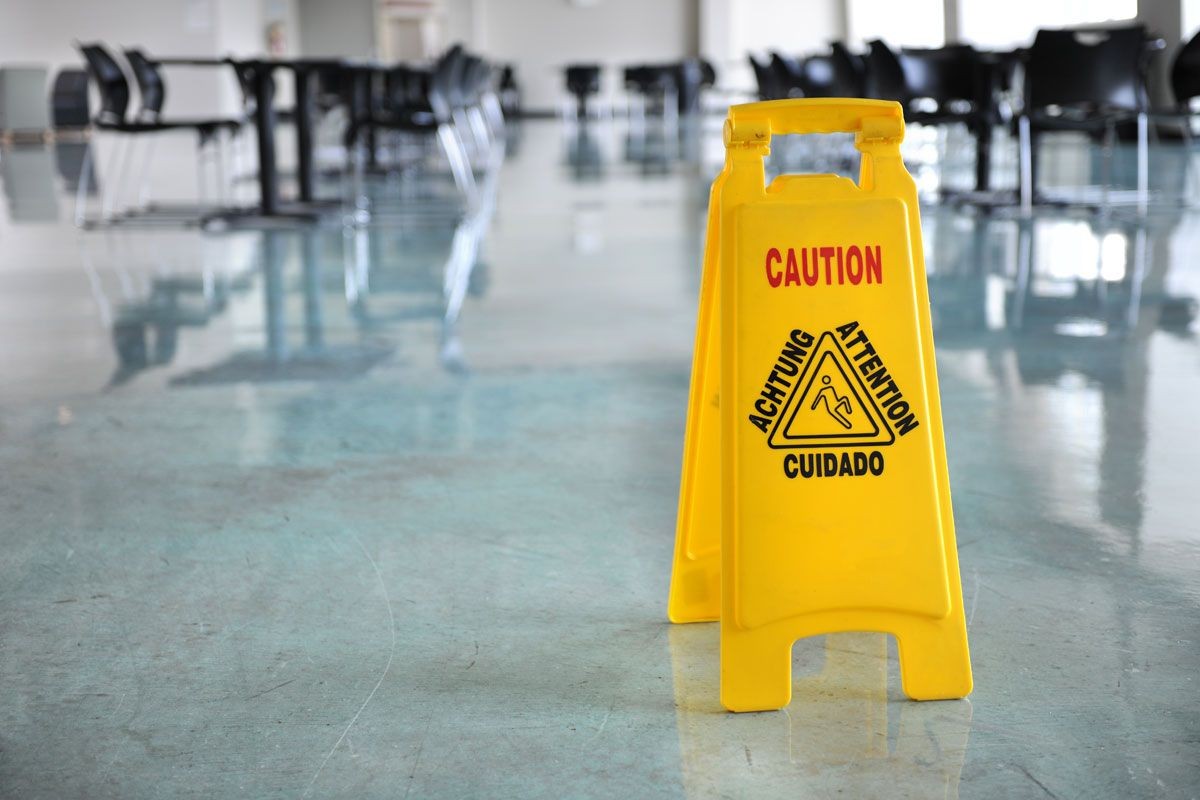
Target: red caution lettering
point(829, 266)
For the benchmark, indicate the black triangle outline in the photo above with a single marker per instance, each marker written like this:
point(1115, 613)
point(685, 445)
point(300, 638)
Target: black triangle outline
point(800, 389)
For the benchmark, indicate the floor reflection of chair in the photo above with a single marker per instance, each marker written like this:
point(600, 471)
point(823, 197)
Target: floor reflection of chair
point(465, 121)
point(71, 158)
point(29, 183)
point(585, 155)
point(148, 313)
point(278, 359)
point(1075, 279)
point(394, 276)
point(654, 148)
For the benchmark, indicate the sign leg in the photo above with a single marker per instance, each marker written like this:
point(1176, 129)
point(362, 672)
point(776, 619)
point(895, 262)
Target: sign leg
point(756, 670)
point(934, 661)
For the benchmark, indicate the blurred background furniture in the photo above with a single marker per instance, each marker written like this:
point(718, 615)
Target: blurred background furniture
point(23, 107)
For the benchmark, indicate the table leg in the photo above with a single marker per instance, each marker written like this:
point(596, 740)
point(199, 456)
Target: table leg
point(274, 308)
point(305, 114)
point(314, 325)
point(983, 157)
point(372, 154)
point(264, 122)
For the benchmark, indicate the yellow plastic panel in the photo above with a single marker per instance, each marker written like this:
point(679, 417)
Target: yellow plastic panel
point(814, 496)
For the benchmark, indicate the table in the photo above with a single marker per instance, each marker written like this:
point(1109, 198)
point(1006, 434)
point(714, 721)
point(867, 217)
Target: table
point(256, 75)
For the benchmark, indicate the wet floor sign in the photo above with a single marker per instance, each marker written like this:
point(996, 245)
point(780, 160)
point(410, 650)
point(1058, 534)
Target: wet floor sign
point(814, 496)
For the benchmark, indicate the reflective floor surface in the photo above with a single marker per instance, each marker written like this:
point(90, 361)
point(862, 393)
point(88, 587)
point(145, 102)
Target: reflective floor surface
point(272, 526)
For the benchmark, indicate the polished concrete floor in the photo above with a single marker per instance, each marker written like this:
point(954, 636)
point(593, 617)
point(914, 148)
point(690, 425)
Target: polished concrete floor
point(270, 526)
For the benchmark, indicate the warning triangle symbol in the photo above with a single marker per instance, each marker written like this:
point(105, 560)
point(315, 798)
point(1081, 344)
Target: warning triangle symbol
point(830, 406)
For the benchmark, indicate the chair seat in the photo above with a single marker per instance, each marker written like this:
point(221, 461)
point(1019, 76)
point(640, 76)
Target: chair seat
point(971, 117)
point(412, 122)
point(1090, 120)
point(204, 126)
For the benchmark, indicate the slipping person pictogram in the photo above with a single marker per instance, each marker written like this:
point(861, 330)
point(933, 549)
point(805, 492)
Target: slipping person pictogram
point(834, 410)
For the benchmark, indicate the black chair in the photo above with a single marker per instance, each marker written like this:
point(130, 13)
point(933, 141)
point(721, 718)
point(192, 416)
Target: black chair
point(850, 70)
point(69, 105)
point(769, 87)
point(1185, 85)
point(885, 74)
point(1088, 81)
point(113, 88)
point(435, 104)
point(657, 87)
point(152, 91)
point(440, 105)
point(583, 81)
point(942, 86)
point(1185, 73)
point(788, 75)
point(832, 75)
point(692, 76)
point(509, 91)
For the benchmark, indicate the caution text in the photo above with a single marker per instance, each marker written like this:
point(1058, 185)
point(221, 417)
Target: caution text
point(824, 266)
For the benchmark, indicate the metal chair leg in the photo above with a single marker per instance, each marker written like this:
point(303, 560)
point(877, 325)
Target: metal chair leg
point(122, 178)
point(460, 165)
point(494, 113)
point(1026, 149)
point(143, 195)
point(201, 183)
point(85, 176)
point(1108, 155)
point(1189, 177)
point(1143, 162)
point(222, 172)
point(110, 180)
point(479, 129)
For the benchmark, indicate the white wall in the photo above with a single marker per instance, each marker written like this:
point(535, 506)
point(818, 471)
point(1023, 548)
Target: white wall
point(337, 27)
point(1166, 18)
point(42, 32)
point(542, 36)
point(730, 29)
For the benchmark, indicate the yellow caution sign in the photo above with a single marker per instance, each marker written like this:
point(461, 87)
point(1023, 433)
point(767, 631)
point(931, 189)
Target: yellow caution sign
point(814, 496)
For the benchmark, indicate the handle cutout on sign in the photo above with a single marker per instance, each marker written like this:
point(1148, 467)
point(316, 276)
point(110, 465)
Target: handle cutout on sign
point(790, 153)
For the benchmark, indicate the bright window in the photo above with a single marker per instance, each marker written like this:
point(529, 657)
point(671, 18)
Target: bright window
point(1013, 22)
point(913, 23)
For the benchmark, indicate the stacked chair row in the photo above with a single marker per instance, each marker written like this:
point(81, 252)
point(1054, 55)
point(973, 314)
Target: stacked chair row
point(667, 89)
point(214, 135)
point(423, 147)
point(1089, 81)
point(426, 154)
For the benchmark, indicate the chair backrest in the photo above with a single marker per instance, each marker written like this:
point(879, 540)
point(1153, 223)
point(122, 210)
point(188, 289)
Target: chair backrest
point(650, 79)
point(1185, 71)
point(457, 77)
point(849, 71)
point(406, 88)
point(110, 82)
point(885, 74)
point(817, 77)
point(444, 93)
point(150, 83)
point(478, 77)
point(788, 73)
point(1090, 68)
point(768, 85)
point(583, 78)
point(69, 99)
point(944, 74)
